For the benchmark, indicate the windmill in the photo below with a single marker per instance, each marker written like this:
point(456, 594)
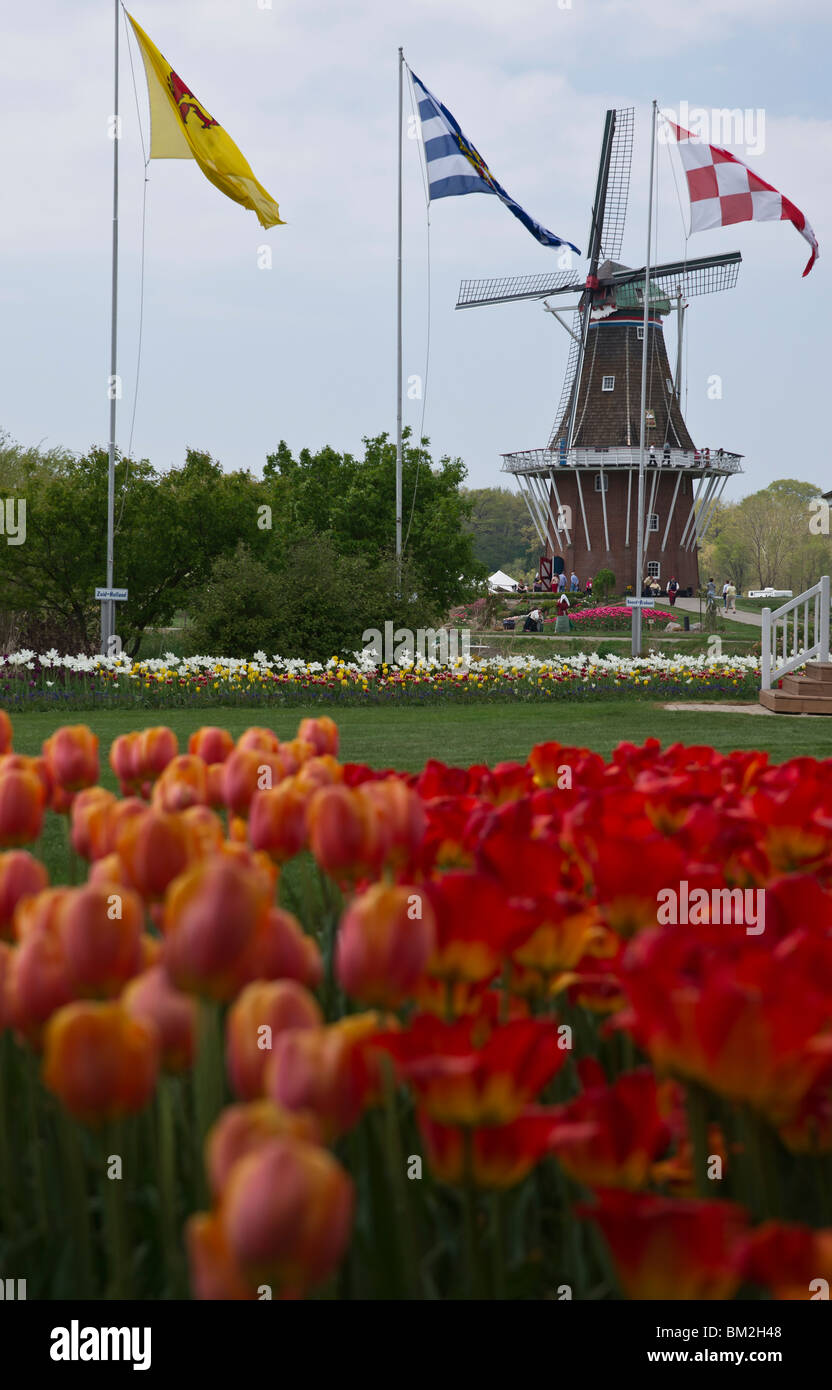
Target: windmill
point(579, 489)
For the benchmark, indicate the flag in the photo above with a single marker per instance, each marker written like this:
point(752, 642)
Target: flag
point(181, 128)
point(723, 190)
point(455, 166)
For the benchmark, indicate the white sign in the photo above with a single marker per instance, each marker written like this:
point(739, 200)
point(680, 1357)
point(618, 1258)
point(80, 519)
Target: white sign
point(118, 595)
point(632, 602)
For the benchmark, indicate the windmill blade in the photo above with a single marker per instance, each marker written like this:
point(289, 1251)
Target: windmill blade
point(513, 287)
point(707, 275)
point(569, 376)
point(617, 185)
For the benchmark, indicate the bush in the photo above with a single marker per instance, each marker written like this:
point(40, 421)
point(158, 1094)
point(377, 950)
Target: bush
point(603, 585)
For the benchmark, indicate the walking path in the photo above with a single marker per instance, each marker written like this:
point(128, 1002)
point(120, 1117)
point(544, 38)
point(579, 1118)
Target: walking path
point(691, 605)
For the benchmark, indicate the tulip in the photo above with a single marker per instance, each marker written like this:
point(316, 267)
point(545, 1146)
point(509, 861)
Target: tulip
point(155, 848)
point(17, 762)
point(214, 1274)
point(247, 772)
point(87, 820)
point(211, 915)
point(99, 1062)
point(151, 996)
point(21, 808)
point(100, 926)
point(792, 1261)
point(210, 744)
point(321, 734)
point(626, 1131)
point(287, 1212)
point(477, 926)
point(402, 813)
point(345, 834)
point(7, 956)
point(259, 739)
point(280, 950)
point(325, 1071)
point(495, 1157)
point(324, 771)
point(207, 829)
point(126, 762)
point(241, 1129)
point(5, 732)
point(384, 942)
point(669, 1248)
point(277, 823)
point(71, 754)
point(157, 747)
point(21, 876)
point(183, 783)
point(259, 1013)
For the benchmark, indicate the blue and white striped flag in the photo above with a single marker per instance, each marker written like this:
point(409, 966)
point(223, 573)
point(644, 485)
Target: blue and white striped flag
point(455, 166)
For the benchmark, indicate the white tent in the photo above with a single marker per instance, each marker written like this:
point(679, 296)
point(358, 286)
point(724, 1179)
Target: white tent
point(500, 580)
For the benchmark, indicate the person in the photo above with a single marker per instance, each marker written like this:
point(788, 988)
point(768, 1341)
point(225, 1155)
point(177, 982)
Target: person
point(652, 455)
point(521, 588)
point(588, 586)
point(666, 453)
point(711, 591)
point(562, 582)
point(725, 596)
point(573, 582)
point(731, 597)
point(672, 589)
point(534, 621)
point(563, 624)
point(537, 586)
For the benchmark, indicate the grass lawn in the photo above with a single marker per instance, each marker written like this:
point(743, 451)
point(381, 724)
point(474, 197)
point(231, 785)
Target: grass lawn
point(406, 738)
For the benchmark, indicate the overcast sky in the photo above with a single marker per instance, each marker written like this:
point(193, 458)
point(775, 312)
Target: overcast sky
point(237, 357)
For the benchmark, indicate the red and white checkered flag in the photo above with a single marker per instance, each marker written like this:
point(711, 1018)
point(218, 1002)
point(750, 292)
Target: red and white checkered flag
point(723, 190)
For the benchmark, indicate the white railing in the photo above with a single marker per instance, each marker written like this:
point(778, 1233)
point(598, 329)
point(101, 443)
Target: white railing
point(776, 659)
point(543, 460)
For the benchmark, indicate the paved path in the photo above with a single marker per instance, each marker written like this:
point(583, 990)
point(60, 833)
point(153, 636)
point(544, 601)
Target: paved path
point(691, 605)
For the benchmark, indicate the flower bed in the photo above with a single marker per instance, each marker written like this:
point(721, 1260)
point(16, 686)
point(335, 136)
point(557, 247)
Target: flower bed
point(345, 980)
point(613, 619)
point(76, 683)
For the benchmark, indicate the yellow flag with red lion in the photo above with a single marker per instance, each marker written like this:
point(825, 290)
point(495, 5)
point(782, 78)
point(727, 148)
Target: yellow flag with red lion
point(181, 128)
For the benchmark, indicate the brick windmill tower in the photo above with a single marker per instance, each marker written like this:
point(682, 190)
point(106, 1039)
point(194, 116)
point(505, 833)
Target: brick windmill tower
point(581, 489)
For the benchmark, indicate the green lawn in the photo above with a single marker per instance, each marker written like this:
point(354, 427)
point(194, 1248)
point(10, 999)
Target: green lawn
point(406, 738)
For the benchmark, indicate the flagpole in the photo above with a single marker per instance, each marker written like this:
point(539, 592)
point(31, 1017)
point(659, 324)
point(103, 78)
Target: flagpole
point(107, 606)
point(399, 338)
point(636, 642)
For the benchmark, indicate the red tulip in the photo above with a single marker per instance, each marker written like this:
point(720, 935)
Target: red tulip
point(210, 744)
point(5, 732)
point(99, 1062)
point(71, 754)
point(277, 823)
point(21, 876)
point(100, 927)
point(321, 733)
point(211, 916)
point(21, 808)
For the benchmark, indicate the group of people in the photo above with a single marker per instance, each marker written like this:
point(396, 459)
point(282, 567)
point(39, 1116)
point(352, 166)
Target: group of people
point(729, 595)
point(558, 584)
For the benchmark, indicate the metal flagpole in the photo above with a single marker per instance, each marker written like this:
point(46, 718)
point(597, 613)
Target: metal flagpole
point(636, 643)
point(107, 606)
point(399, 340)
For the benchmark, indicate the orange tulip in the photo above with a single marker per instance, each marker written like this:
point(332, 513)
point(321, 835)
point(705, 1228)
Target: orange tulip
point(18, 762)
point(126, 762)
point(259, 739)
point(157, 747)
point(100, 1062)
point(87, 821)
point(7, 956)
point(21, 808)
point(345, 834)
point(5, 732)
point(151, 996)
point(324, 771)
point(321, 733)
point(101, 928)
point(277, 823)
point(287, 1213)
point(246, 772)
point(21, 876)
point(385, 940)
point(210, 744)
point(183, 783)
point(325, 1071)
point(281, 950)
point(402, 813)
point(207, 828)
point(214, 1273)
point(71, 754)
point(261, 1011)
point(211, 916)
point(154, 849)
point(241, 1129)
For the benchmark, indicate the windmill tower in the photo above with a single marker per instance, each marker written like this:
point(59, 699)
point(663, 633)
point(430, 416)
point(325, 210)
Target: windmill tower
point(582, 488)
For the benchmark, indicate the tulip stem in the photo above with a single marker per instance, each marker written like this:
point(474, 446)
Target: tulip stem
point(34, 1145)
point(168, 1204)
point(497, 1244)
point(7, 1185)
point(410, 1282)
point(79, 1203)
point(698, 1125)
point(115, 1212)
point(208, 1080)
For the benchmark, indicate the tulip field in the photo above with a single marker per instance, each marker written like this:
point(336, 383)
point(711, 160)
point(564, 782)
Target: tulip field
point(296, 1028)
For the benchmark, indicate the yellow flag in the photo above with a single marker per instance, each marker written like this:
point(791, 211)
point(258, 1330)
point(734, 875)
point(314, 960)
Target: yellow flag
point(181, 128)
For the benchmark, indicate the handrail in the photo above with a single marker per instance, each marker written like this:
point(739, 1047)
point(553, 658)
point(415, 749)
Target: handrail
point(772, 667)
point(547, 460)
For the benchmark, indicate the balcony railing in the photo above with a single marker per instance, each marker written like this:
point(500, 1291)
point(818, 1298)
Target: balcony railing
point(697, 461)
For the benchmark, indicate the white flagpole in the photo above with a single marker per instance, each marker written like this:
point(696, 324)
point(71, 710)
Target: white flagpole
point(107, 606)
point(399, 337)
point(636, 642)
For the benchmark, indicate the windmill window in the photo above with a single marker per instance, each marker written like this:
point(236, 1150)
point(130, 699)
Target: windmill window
point(607, 383)
point(654, 569)
point(640, 332)
point(602, 482)
point(653, 521)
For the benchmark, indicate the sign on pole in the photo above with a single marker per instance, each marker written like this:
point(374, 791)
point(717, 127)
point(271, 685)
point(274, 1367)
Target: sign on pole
point(633, 602)
point(114, 595)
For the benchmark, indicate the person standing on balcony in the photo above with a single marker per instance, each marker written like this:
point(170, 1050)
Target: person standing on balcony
point(652, 455)
point(666, 453)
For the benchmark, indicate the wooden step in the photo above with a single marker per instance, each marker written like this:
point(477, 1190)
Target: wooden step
point(818, 672)
point(786, 702)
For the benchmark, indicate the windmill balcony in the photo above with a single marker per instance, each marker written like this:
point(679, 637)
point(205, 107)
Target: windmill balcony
point(719, 462)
